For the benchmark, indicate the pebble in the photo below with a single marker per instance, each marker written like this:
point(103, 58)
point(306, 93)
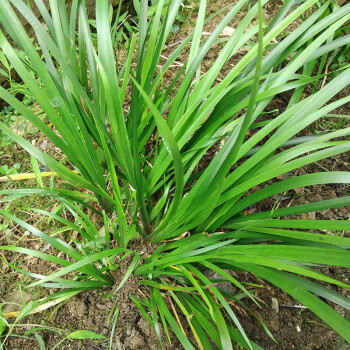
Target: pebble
point(136, 342)
point(130, 331)
point(275, 305)
point(3, 267)
point(14, 301)
point(101, 306)
point(224, 285)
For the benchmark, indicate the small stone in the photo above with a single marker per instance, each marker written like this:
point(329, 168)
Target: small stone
point(233, 273)
point(43, 145)
point(77, 308)
point(102, 231)
point(136, 342)
point(116, 343)
point(341, 345)
point(15, 300)
point(145, 328)
point(130, 331)
point(3, 267)
point(298, 329)
point(274, 325)
point(224, 285)
point(228, 31)
point(275, 305)
point(312, 215)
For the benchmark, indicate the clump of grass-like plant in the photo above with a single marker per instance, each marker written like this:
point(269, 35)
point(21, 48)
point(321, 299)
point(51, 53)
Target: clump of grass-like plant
point(134, 159)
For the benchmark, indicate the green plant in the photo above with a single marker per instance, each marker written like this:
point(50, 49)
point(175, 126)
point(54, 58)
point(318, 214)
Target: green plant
point(179, 19)
point(5, 170)
point(81, 334)
point(10, 117)
point(139, 159)
point(121, 29)
point(336, 122)
point(26, 309)
point(7, 328)
point(338, 57)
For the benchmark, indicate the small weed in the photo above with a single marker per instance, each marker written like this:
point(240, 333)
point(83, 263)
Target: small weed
point(10, 117)
point(6, 170)
point(330, 124)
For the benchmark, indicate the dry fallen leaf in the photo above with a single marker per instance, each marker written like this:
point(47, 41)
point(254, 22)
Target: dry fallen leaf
point(228, 31)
